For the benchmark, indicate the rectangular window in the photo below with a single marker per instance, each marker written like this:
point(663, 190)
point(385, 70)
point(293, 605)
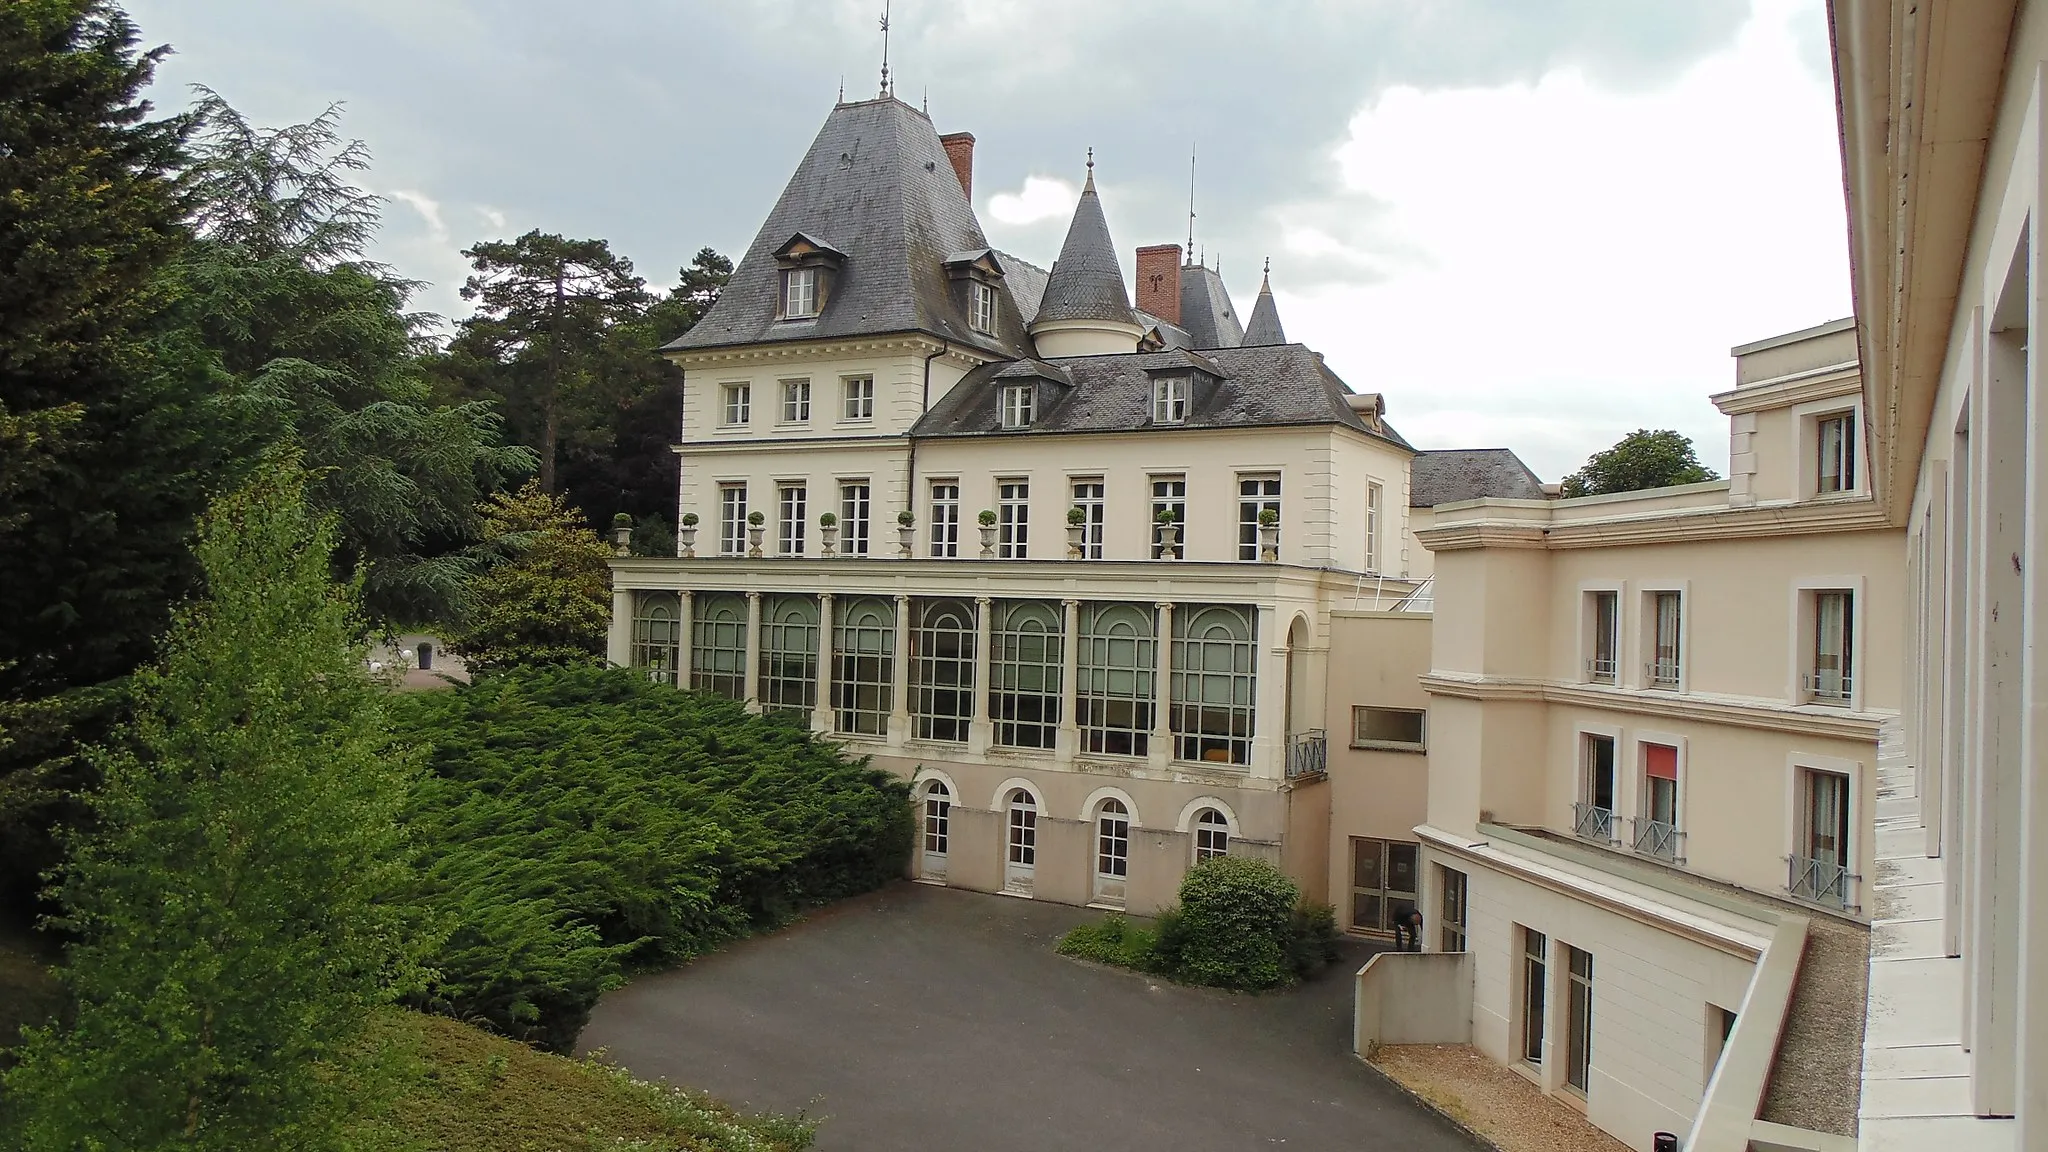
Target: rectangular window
point(1169, 495)
point(732, 519)
point(1578, 1056)
point(1535, 985)
point(796, 401)
point(1013, 519)
point(1255, 495)
point(739, 402)
point(1018, 405)
point(945, 518)
point(1603, 610)
point(853, 518)
point(790, 510)
point(1088, 497)
point(1593, 814)
point(982, 312)
point(1388, 729)
point(1170, 400)
point(1665, 669)
point(857, 398)
point(1836, 436)
point(799, 293)
point(1820, 869)
point(1833, 677)
point(1374, 498)
point(1455, 909)
point(1024, 668)
point(1657, 828)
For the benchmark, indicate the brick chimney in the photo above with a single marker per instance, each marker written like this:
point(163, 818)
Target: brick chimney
point(960, 150)
point(1159, 281)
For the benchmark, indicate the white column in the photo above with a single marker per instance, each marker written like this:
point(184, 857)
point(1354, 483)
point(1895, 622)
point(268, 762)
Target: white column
point(980, 729)
point(2030, 823)
point(685, 632)
point(1161, 749)
point(899, 674)
point(1269, 697)
point(821, 709)
point(1067, 741)
point(618, 639)
point(750, 690)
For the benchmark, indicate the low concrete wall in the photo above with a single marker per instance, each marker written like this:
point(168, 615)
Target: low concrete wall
point(1065, 871)
point(1735, 1094)
point(1159, 859)
point(1412, 998)
point(976, 860)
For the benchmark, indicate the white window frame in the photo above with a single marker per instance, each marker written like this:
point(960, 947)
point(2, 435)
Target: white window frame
point(732, 517)
point(856, 399)
point(1589, 633)
point(796, 401)
point(790, 514)
point(1170, 400)
point(856, 515)
point(1258, 502)
point(1375, 505)
point(800, 294)
point(1797, 764)
point(1155, 503)
point(1359, 740)
point(943, 500)
point(1019, 406)
point(1808, 417)
point(1636, 784)
point(1646, 638)
point(1013, 517)
point(1802, 645)
point(1205, 833)
point(981, 310)
point(1095, 508)
point(736, 404)
point(1582, 789)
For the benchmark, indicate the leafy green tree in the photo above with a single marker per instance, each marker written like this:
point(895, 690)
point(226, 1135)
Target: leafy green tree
point(114, 438)
point(545, 308)
point(235, 904)
point(546, 596)
point(319, 341)
point(1642, 459)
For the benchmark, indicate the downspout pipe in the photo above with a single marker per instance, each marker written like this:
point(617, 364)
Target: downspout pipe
point(924, 405)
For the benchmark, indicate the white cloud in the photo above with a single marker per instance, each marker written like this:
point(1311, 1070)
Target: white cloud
point(1041, 198)
point(1548, 266)
point(428, 208)
point(492, 217)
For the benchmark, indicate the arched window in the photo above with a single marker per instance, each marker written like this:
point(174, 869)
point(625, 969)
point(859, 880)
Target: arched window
point(1023, 830)
point(1213, 685)
point(1212, 835)
point(718, 645)
point(938, 811)
point(864, 650)
point(1114, 667)
point(942, 669)
point(1112, 840)
point(657, 635)
point(1024, 672)
point(789, 653)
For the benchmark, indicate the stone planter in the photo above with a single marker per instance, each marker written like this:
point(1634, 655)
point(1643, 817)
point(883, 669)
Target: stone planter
point(686, 542)
point(828, 539)
point(1077, 538)
point(1169, 541)
point(1269, 543)
point(906, 539)
point(754, 534)
point(988, 542)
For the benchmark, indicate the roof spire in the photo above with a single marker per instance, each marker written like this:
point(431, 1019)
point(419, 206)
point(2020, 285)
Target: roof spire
point(1191, 199)
point(1090, 185)
point(1266, 276)
point(1264, 326)
point(885, 48)
point(842, 88)
point(1086, 283)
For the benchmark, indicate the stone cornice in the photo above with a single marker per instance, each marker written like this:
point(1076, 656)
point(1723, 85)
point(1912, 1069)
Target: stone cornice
point(1754, 712)
point(1817, 384)
point(773, 352)
point(1467, 534)
point(1718, 522)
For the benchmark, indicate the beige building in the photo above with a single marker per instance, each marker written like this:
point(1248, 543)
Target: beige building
point(1075, 566)
point(1654, 722)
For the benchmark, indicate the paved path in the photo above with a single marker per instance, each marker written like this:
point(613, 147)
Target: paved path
point(926, 1018)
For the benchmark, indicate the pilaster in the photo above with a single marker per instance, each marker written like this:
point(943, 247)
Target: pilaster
point(899, 676)
point(821, 708)
point(1067, 740)
point(618, 639)
point(750, 689)
point(1160, 747)
point(980, 730)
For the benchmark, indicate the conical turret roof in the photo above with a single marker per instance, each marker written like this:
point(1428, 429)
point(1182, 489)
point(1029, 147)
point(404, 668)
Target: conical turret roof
point(1264, 326)
point(1086, 282)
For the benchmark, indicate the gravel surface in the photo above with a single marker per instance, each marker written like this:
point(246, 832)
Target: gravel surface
point(1816, 1081)
point(1495, 1102)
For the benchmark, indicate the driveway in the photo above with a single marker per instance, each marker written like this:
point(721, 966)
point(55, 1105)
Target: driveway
point(934, 1019)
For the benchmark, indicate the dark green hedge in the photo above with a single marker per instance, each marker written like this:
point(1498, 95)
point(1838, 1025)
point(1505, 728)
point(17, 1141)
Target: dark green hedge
point(577, 822)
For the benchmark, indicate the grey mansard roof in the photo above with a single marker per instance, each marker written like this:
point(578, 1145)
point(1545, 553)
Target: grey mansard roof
point(1264, 326)
point(1279, 385)
point(1087, 283)
point(1026, 282)
point(1448, 476)
point(1205, 309)
point(876, 185)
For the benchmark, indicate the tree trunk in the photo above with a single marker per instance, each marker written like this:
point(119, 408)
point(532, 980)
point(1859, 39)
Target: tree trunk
point(547, 445)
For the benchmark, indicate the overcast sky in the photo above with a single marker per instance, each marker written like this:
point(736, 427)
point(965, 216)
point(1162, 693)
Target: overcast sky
point(1537, 225)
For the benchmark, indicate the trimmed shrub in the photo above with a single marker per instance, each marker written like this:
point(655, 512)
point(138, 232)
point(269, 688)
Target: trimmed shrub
point(1311, 938)
point(1114, 941)
point(1237, 915)
point(579, 821)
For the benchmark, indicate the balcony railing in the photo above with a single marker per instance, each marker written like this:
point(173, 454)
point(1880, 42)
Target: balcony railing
point(1590, 822)
point(1822, 882)
point(1830, 687)
point(1658, 839)
point(1308, 753)
point(1600, 670)
point(1661, 673)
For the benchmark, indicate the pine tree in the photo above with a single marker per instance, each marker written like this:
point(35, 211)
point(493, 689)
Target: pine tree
point(236, 903)
point(547, 597)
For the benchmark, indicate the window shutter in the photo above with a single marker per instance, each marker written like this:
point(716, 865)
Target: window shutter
point(1660, 761)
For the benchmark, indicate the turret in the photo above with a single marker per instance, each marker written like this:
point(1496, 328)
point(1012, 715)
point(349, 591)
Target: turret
point(1086, 310)
point(1264, 326)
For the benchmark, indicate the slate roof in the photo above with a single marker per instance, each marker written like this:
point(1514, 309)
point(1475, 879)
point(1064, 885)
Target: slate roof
point(876, 184)
point(1451, 475)
point(1026, 282)
point(1170, 334)
point(1264, 326)
point(1087, 283)
point(1205, 309)
point(1278, 385)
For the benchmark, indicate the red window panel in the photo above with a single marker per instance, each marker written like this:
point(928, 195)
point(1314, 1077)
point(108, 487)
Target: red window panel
point(1660, 761)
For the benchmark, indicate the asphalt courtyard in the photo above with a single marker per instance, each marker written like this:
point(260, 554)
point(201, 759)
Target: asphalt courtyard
point(927, 1018)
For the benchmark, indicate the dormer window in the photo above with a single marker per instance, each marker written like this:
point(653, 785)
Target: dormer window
point(981, 312)
point(799, 293)
point(1019, 405)
point(1170, 400)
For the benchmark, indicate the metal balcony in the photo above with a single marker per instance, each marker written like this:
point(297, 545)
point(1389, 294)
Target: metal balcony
point(1601, 670)
point(1658, 839)
point(1829, 687)
point(1661, 673)
point(1822, 881)
point(1594, 823)
point(1308, 753)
